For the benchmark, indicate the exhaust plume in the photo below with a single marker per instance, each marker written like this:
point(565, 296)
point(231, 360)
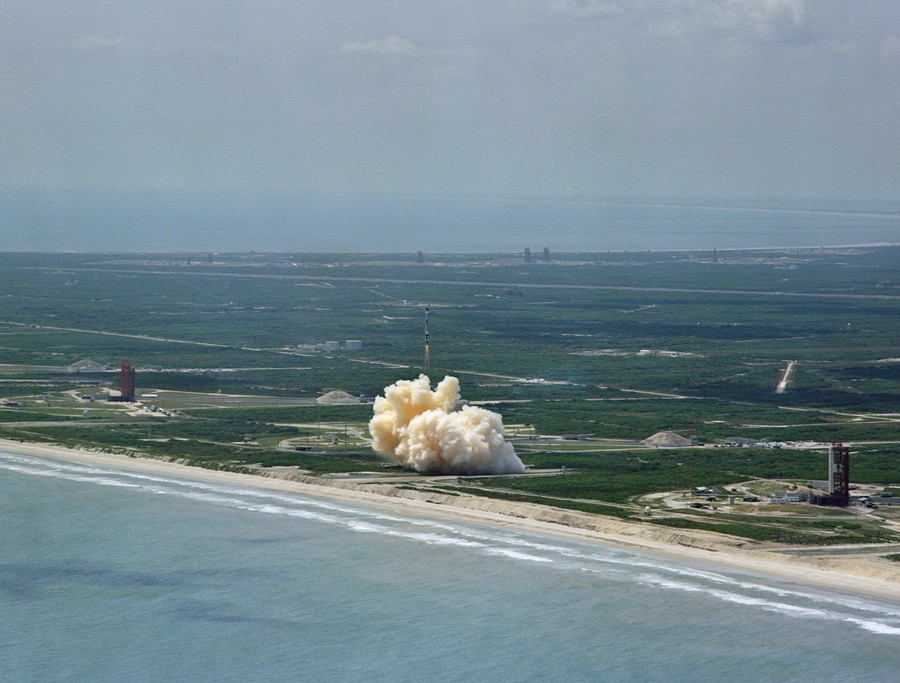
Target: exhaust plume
point(419, 429)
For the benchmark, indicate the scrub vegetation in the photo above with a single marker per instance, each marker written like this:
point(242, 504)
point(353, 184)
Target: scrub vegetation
point(584, 356)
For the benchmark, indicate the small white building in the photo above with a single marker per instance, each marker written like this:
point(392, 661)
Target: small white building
point(787, 497)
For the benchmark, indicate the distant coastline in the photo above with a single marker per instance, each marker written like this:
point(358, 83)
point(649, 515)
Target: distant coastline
point(129, 221)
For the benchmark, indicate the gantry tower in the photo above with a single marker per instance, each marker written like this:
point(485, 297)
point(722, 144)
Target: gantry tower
point(426, 365)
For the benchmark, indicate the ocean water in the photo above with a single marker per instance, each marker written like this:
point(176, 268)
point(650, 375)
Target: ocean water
point(94, 220)
point(109, 575)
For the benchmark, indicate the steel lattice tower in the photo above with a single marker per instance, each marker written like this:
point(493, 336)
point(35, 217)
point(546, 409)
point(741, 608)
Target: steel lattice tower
point(426, 365)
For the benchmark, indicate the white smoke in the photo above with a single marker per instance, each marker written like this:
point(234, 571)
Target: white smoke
point(418, 429)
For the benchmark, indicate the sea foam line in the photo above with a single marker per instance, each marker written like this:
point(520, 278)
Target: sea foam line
point(783, 608)
point(496, 544)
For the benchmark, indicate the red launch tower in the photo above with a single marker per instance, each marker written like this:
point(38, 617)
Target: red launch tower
point(127, 381)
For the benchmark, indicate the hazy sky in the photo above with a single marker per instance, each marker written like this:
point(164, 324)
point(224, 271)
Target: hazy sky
point(695, 98)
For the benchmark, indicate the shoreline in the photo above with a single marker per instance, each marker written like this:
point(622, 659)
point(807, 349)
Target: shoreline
point(857, 574)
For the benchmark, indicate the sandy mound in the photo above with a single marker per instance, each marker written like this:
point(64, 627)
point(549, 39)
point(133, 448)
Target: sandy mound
point(337, 398)
point(666, 440)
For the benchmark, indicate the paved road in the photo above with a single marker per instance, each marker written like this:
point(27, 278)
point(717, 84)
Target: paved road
point(472, 283)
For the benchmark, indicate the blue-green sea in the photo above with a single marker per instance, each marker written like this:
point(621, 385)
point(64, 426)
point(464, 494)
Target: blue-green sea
point(117, 575)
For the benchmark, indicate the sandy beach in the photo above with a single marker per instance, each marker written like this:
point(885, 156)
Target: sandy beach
point(861, 573)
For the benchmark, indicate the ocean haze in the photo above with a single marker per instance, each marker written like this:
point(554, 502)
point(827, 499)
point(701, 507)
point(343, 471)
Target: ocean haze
point(561, 98)
point(227, 221)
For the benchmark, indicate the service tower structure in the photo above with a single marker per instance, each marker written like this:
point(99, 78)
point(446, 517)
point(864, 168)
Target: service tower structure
point(426, 365)
point(839, 474)
point(127, 381)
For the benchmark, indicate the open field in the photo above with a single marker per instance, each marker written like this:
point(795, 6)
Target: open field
point(584, 356)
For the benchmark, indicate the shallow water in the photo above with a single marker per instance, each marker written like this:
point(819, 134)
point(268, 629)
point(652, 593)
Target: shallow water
point(110, 575)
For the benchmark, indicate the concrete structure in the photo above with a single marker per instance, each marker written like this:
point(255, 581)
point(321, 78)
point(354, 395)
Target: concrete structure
point(838, 477)
point(353, 345)
point(86, 365)
point(740, 441)
point(319, 347)
point(664, 353)
point(788, 497)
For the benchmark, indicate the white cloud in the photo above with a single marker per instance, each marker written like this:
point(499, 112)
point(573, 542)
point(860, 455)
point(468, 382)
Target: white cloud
point(748, 19)
point(764, 18)
point(392, 45)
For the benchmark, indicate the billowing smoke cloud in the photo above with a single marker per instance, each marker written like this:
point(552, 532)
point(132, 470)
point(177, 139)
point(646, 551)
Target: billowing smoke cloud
point(418, 429)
